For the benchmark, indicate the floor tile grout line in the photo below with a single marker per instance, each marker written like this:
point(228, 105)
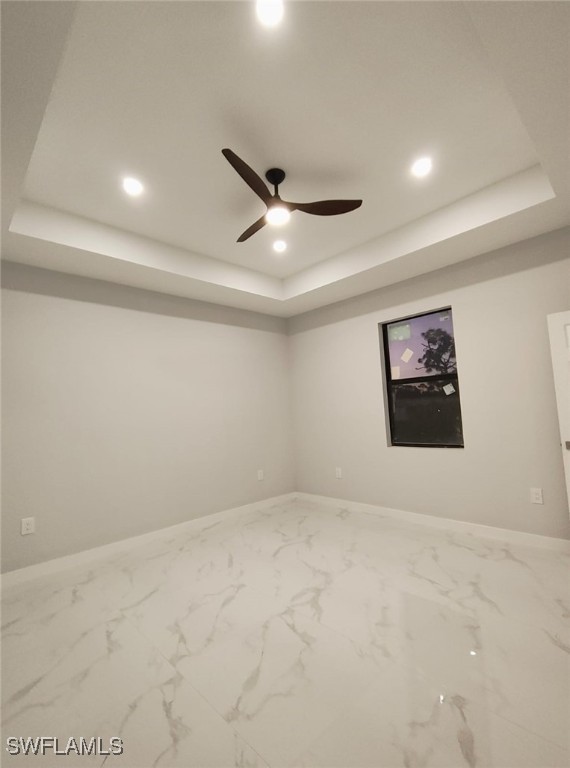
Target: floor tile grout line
point(563, 747)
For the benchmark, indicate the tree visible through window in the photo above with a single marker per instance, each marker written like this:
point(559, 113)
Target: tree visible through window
point(422, 382)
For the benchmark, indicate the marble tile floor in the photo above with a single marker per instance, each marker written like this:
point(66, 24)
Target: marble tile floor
point(299, 635)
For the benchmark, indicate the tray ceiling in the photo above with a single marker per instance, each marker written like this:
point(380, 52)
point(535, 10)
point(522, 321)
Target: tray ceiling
point(343, 96)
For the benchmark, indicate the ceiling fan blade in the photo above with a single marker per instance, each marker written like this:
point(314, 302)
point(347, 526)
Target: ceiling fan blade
point(250, 177)
point(327, 207)
point(252, 230)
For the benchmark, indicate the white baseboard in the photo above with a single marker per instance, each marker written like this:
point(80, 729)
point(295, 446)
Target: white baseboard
point(31, 572)
point(486, 531)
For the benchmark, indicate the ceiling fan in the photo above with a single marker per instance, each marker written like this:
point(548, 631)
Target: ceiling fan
point(278, 210)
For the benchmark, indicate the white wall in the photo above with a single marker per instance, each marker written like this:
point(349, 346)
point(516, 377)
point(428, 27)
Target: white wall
point(126, 411)
point(500, 303)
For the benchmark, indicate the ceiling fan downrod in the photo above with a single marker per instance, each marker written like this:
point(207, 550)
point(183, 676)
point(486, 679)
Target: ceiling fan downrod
point(275, 176)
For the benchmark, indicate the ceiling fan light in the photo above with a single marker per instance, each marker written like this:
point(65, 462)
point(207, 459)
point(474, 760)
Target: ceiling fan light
point(269, 12)
point(277, 215)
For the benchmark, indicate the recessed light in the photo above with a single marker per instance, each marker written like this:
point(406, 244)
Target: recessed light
point(473, 653)
point(280, 246)
point(422, 167)
point(132, 186)
point(269, 12)
point(277, 215)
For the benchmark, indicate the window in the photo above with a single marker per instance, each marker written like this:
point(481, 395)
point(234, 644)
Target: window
point(422, 385)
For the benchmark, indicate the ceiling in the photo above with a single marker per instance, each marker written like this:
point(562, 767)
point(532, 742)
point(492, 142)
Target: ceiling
point(343, 95)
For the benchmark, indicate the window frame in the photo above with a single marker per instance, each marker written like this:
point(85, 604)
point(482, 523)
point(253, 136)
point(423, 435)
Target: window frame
point(388, 381)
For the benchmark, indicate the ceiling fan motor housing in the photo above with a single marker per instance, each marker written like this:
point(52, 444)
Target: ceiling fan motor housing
point(275, 176)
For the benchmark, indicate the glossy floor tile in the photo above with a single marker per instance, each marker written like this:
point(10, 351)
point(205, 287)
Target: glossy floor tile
point(300, 635)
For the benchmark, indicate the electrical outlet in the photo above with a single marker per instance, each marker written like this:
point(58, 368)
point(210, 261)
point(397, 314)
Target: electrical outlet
point(27, 525)
point(536, 496)
point(260, 474)
point(338, 473)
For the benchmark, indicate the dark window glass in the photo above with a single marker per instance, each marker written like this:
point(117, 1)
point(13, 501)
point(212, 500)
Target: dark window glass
point(422, 381)
point(422, 414)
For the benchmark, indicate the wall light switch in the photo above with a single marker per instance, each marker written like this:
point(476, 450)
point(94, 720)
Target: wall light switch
point(338, 473)
point(28, 525)
point(260, 474)
point(536, 496)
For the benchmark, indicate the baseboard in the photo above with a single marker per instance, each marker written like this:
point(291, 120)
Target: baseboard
point(486, 531)
point(31, 572)
point(47, 567)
